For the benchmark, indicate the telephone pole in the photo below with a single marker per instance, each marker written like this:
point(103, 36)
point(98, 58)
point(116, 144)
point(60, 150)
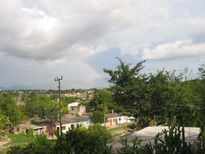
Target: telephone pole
point(58, 79)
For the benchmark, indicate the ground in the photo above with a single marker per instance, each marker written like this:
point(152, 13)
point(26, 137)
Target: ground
point(119, 131)
point(23, 140)
point(122, 132)
point(15, 140)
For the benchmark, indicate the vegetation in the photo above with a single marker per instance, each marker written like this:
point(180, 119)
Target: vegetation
point(154, 98)
point(98, 117)
point(169, 142)
point(119, 131)
point(76, 140)
point(102, 100)
point(10, 113)
point(159, 97)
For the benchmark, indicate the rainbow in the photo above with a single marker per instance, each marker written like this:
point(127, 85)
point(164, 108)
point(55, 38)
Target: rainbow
point(96, 73)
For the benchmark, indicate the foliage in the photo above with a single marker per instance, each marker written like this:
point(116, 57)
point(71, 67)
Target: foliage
point(134, 126)
point(170, 142)
point(101, 132)
point(201, 106)
point(35, 122)
point(98, 117)
point(129, 87)
point(30, 132)
point(10, 113)
point(38, 147)
point(135, 148)
point(102, 98)
point(160, 96)
point(42, 106)
point(165, 142)
point(75, 140)
point(119, 131)
point(69, 100)
point(4, 121)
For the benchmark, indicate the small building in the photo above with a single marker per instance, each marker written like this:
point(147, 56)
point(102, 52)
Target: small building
point(76, 109)
point(26, 126)
point(111, 120)
point(73, 104)
point(122, 120)
point(114, 119)
point(68, 121)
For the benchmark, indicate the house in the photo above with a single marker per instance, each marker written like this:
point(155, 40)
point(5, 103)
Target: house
point(68, 121)
point(26, 126)
point(122, 119)
point(76, 109)
point(114, 119)
point(111, 120)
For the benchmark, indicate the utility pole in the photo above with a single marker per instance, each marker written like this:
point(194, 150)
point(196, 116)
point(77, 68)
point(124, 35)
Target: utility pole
point(57, 79)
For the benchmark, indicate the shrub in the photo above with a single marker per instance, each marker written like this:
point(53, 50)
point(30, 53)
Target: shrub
point(41, 145)
point(30, 132)
point(168, 142)
point(84, 141)
point(76, 140)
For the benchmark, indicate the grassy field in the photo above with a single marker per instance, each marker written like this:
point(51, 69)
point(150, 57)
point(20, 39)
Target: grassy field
point(118, 131)
point(22, 139)
point(17, 140)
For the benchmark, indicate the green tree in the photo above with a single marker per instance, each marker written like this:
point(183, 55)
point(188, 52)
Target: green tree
point(102, 99)
point(130, 87)
point(201, 105)
point(42, 106)
point(10, 109)
point(98, 117)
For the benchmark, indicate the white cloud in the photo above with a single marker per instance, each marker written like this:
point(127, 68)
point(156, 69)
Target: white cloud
point(131, 48)
point(75, 29)
point(46, 30)
point(195, 28)
point(185, 48)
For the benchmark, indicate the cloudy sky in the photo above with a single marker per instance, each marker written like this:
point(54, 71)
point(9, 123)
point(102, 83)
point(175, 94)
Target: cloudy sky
point(42, 39)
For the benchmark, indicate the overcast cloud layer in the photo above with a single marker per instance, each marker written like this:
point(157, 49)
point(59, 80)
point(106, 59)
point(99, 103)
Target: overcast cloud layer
point(46, 30)
point(57, 32)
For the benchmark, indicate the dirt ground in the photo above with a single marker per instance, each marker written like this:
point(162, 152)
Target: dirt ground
point(3, 143)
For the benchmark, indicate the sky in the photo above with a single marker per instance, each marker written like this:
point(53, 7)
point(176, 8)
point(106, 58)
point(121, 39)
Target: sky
point(44, 39)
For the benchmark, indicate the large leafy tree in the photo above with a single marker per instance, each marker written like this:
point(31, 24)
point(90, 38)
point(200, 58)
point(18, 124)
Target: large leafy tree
point(201, 106)
point(130, 87)
point(103, 100)
point(10, 110)
point(161, 96)
point(41, 106)
point(98, 117)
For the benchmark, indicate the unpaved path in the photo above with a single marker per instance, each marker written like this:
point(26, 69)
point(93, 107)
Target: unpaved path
point(2, 143)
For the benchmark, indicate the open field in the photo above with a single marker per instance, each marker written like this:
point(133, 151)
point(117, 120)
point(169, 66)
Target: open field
point(16, 140)
point(119, 131)
point(22, 139)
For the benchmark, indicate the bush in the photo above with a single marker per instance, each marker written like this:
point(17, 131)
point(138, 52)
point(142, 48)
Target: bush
point(76, 140)
point(136, 147)
point(134, 126)
point(30, 132)
point(41, 145)
point(168, 142)
point(84, 141)
point(143, 121)
point(35, 122)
